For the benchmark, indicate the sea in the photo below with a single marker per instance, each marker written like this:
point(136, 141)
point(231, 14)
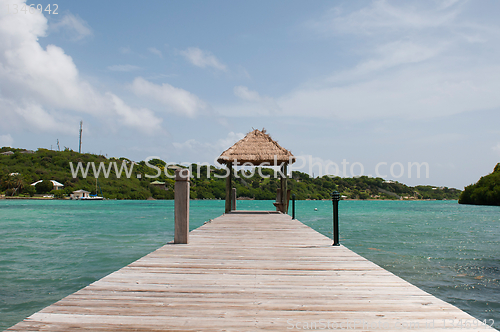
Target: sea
point(52, 248)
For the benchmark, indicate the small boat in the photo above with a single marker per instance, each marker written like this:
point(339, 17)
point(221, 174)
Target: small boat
point(91, 198)
point(96, 197)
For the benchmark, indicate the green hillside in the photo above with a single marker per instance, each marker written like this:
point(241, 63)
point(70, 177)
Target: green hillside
point(486, 191)
point(22, 168)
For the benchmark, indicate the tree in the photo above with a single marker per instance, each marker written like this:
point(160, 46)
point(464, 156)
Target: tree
point(44, 187)
point(57, 193)
point(30, 190)
point(13, 183)
point(485, 192)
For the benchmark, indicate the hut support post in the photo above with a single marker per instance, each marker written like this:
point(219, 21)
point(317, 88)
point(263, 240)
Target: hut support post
point(283, 186)
point(181, 206)
point(228, 187)
point(233, 199)
point(277, 204)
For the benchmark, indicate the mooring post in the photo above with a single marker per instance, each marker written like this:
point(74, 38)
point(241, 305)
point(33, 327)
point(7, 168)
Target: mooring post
point(335, 201)
point(181, 195)
point(293, 206)
point(233, 199)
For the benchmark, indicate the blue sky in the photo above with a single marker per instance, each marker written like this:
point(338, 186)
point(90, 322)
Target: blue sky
point(366, 81)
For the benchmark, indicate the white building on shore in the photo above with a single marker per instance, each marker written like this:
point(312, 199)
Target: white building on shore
point(79, 194)
point(57, 185)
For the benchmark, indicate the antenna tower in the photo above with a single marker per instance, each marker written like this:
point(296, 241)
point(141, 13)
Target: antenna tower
point(80, 145)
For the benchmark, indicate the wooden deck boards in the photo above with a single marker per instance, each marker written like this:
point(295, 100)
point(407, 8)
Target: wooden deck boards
point(245, 272)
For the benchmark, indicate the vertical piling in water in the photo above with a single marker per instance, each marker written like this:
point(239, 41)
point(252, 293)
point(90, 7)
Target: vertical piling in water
point(181, 204)
point(335, 202)
point(293, 206)
point(233, 199)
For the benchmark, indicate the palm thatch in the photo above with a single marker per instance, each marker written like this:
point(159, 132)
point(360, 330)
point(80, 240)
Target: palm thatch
point(256, 147)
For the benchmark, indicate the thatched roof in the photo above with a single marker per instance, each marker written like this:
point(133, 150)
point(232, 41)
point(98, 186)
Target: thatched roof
point(256, 148)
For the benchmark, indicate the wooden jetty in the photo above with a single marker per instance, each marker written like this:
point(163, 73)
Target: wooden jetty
point(249, 271)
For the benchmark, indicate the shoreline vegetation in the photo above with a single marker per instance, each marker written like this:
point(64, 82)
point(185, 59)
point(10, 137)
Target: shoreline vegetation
point(20, 168)
point(486, 191)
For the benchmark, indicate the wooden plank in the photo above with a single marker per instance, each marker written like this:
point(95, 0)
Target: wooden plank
point(250, 271)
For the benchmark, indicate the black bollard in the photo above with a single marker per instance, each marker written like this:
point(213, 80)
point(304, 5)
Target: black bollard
point(293, 206)
point(335, 201)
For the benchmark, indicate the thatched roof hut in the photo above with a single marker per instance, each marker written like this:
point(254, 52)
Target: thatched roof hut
point(256, 147)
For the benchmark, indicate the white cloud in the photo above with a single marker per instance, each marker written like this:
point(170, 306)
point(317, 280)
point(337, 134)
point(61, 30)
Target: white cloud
point(39, 120)
point(421, 91)
point(124, 68)
point(225, 143)
point(189, 144)
point(41, 89)
point(73, 26)
point(208, 148)
point(256, 104)
point(155, 51)
point(6, 140)
point(202, 58)
point(175, 99)
point(246, 94)
point(413, 61)
point(390, 55)
point(410, 60)
point(160, 76)
point(143, 119)
point(381, 15)
point(447, 3)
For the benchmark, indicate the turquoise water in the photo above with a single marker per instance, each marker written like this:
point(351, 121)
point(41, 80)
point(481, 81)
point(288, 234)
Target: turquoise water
point(50, 249)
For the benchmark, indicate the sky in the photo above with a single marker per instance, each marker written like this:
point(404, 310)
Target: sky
point(352, 83)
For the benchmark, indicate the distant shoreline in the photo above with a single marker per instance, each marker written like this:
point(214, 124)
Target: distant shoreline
point(197, 199)
point(38, 198)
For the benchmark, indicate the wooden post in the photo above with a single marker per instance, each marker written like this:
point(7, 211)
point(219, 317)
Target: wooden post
point(228, 187)
point(277, 204)
point(181, 194)
point(233, 199)
point(283, 188)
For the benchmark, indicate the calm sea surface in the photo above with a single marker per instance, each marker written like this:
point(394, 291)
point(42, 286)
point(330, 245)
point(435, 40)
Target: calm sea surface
point(50, 249)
